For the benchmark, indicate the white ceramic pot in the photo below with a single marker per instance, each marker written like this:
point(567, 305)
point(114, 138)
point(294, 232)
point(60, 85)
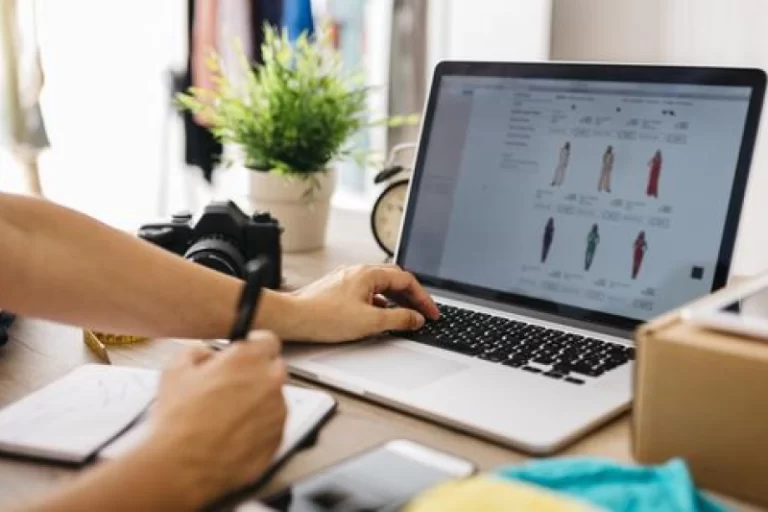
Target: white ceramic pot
point(304, 220)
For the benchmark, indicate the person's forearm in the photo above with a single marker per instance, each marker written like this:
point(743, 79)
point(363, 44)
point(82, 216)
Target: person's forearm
point(147, 479)
point(64, 266)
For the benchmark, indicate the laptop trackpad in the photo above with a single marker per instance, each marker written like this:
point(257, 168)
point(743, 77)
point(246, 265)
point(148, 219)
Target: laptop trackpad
point(389, 364)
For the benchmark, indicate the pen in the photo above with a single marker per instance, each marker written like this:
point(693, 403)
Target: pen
point(97, 347)
point(255, 273)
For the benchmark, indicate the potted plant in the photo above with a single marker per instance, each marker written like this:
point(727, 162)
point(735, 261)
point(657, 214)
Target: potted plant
point(291, 119)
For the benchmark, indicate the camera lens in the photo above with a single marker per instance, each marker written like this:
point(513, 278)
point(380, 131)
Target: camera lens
point(218, 254)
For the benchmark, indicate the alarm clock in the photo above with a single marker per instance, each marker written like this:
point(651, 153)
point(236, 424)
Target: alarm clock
point(387, 213)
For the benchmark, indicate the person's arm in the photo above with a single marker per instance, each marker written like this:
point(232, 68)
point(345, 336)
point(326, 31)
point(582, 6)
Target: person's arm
point(216, 424)
point(65, 266)
point(150, 478)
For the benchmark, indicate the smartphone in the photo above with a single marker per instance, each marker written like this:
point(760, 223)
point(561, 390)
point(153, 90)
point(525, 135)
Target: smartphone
point(740, 310)
point(384, 478)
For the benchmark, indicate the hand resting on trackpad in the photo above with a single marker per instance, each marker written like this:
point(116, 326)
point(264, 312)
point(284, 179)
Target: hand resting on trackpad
point(390, 364)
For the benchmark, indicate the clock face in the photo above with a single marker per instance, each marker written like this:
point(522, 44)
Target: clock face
point(387, 214)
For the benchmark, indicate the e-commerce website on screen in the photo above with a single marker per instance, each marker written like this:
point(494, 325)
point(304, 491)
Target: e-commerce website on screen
point(608, 196)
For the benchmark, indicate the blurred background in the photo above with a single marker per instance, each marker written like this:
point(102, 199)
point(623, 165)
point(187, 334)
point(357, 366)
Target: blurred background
point(116, 143)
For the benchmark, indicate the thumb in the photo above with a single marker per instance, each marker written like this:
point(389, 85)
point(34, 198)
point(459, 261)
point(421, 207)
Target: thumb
point(400, 319)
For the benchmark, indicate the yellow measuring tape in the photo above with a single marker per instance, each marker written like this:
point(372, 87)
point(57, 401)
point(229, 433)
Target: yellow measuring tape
point(98, 342)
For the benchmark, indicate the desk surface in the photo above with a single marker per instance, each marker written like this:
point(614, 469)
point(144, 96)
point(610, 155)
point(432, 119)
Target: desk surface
point(40, 352)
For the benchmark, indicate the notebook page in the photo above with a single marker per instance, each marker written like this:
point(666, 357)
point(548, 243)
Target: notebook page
point(306, 408)
point(71, 418)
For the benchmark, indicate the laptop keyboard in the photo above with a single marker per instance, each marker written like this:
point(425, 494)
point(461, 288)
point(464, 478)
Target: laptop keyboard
point(531, 348)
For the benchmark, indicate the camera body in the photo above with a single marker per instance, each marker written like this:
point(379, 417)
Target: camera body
point(223, 238)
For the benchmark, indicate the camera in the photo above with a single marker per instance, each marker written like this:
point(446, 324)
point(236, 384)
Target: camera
point(223, 238)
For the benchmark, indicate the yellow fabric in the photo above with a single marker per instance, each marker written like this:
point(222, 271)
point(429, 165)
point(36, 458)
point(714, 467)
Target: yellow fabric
point(489, 494)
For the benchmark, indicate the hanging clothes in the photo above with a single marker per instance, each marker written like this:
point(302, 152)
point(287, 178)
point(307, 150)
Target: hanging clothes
point(22, 127)
point(21, 120)
point(409, 43)
point(297, 18)
point(201, 149)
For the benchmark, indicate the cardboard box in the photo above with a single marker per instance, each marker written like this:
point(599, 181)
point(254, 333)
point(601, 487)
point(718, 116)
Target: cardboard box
point(703, 396)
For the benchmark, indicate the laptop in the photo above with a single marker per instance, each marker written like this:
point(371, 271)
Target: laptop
point(552, 209)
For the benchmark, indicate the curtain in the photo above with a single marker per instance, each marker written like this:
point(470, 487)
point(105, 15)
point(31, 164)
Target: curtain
point(407, 67)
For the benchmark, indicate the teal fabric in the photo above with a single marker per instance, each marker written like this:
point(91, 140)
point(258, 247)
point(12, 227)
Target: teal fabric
point(617, 487)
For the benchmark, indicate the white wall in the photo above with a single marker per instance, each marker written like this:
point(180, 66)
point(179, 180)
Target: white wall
point(106, 103)
point(488, 30)
point(711, 32)
point(608, 30)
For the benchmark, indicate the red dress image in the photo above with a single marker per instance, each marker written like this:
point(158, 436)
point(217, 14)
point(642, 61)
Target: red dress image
point(653, 175)
point(640, 247)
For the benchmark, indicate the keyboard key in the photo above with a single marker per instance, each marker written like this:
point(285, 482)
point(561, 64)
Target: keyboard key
point(513, 343)
point(495, 357)
point(562, 367)
point(573, 380)
point(582, 369)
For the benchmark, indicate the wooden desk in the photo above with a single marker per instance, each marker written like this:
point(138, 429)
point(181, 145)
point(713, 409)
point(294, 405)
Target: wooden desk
point(40, 352)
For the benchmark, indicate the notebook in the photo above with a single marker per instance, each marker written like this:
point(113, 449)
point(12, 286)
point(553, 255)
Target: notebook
point(96, 412)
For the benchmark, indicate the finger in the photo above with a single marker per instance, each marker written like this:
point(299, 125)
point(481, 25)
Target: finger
point(386, 266)
point(399, 299)
point(260, 347)
point(392, 280)
point(200, 355)
point(404, 287)
point(399, 319)
point(267, 340)
point(278, 371)
point(393, 299)
point(381, 302)
point(191, 357)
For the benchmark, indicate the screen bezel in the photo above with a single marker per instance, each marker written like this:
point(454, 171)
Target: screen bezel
point(743, 77)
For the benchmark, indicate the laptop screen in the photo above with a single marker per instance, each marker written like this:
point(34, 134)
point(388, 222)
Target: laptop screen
point(610, 197)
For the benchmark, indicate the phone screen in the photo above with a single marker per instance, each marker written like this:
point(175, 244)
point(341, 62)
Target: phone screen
point(379, 480)
point(746, 314)
point(753, 306)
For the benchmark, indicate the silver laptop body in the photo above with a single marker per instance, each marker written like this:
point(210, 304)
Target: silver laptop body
point(577, 198)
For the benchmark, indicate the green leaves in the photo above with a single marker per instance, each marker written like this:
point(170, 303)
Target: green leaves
point(295, 113)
